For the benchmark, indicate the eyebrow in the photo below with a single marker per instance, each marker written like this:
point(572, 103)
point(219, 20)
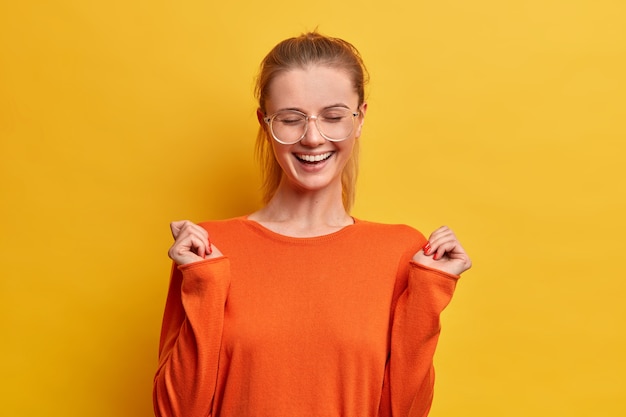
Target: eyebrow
point(302, 111)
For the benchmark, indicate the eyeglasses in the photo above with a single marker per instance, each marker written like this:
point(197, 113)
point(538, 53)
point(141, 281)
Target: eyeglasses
point(289, 126)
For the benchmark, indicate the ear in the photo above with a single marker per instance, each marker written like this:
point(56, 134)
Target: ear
point(260, 115)
point(362, 111)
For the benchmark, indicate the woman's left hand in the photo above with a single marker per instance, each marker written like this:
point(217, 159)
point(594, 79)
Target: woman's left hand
point(444, 252)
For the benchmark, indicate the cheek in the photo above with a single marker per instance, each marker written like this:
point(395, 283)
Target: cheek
point(281, 153)
point(347, 148)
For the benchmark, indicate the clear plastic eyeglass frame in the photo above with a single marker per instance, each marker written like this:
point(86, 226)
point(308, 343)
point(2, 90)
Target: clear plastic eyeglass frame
point(304, 117)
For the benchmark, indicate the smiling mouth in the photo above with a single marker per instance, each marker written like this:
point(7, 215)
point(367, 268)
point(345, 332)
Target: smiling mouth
point(313, 159)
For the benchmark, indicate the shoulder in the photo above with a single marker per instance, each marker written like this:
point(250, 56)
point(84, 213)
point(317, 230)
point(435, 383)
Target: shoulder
point(223, 225)
point(386, 228)
point(207, 224)
point(228, 232)
point(399, 233)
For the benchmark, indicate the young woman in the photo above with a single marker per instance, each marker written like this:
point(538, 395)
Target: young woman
point(300, 309)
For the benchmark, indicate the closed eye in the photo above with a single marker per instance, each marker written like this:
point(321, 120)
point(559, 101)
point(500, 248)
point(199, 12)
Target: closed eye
point(336, 119)
point(290, 121)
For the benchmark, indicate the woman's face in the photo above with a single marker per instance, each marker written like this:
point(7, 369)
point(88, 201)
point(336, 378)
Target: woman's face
point(314, 163)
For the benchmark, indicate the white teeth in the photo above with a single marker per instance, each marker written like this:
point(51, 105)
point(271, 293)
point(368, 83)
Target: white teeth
point(314, 158)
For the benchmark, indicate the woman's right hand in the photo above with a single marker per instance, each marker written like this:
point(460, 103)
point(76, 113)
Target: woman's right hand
point(191, 243)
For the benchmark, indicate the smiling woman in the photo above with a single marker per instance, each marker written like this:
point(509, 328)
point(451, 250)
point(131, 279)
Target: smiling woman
point(300, 308)
point(309, 158)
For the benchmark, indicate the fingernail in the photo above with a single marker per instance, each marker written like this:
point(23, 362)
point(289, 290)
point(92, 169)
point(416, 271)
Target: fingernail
point(210, 249)
point(426, 248)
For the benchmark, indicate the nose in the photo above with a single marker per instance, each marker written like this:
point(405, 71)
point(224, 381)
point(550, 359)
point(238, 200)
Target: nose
point(312, 137)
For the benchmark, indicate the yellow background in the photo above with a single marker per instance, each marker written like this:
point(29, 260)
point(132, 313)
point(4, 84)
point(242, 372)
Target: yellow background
point(502, 119)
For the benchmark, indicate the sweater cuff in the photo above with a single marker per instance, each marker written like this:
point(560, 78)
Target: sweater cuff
point(200, 264)
point(431, 270)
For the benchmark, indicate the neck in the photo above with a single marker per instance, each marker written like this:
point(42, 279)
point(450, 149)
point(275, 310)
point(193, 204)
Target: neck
point(303, 212)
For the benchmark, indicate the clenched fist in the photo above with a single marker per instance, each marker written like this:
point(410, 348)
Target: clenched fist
point(191, 243)
point(444, 252)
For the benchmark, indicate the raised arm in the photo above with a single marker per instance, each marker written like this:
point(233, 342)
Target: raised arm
point(409, 377)
point(191, 337)
point(432, 277)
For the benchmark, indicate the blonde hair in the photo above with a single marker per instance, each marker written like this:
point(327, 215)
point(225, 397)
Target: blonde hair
point(300, 52)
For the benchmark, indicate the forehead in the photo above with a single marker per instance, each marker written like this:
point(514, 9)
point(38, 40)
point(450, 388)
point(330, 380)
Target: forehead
point(311, 89)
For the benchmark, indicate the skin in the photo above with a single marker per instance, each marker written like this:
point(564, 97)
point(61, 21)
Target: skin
point(308, 200)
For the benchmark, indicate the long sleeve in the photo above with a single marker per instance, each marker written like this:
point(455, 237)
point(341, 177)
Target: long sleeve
point(286, 326)
point(409, 374)
point(191, 337)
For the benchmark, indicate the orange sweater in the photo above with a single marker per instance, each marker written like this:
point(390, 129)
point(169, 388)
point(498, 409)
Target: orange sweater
point(337, 325)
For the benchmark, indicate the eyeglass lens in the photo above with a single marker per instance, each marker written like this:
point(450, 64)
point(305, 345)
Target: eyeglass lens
point(334, 124)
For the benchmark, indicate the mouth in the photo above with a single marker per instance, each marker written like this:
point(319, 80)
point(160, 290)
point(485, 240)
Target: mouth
point(313, 159)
